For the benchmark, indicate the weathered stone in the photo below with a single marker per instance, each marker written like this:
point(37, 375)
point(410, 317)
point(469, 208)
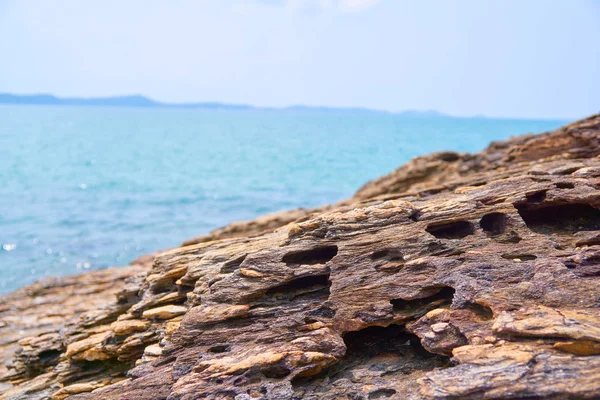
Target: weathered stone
point(546, 322)
point(67, 391)
point(126, 327)
point(165, 312)
point(580, 347)
point(456, 276)
point(89, 349)
point(153, 350)
point(37, 314)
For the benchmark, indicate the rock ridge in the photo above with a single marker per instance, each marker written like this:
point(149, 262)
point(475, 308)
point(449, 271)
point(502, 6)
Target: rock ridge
point(456, 276)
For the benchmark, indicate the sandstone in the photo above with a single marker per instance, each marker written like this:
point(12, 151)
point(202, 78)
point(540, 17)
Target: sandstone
point(581, 347)
point(165, 312)
point(546, 322)
point(457, 276)
point(88, 349)
point(75, 389)
point(153, 350)
point(126, 327)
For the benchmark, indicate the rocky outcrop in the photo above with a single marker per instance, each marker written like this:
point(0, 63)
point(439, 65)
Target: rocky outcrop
point(456, 276)
point(265, 223)
point(33, 321)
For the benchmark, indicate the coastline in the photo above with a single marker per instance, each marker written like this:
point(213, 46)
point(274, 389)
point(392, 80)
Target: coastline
point(321, 274)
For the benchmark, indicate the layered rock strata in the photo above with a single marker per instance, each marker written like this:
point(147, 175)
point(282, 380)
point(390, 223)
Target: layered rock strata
point(456, 276)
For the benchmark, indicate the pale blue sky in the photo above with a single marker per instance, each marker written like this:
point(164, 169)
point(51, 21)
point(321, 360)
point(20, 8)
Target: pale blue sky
point(533, 58)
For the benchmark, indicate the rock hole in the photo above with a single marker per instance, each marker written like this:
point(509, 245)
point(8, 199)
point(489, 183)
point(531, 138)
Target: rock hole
point(451, 230)
point(163, 286)
point(300, 286)
point(448, 156)
point(565, 185)
point(493, 223)
point(318, 255)
point(536, 197)
point(443, 296)
point(322, 312)
point(381, 393)
point(480, 183)
point(233, 264)
point(49, 355)
point(375, 340)
point(385, 352)
point(276, 371)
point(45, 359)
point(388, 254)
point(221, 348)
point(570, 264)
point(519, 257)
point(484, 312)
point(587, 266)
point(561, 219)
point(415, 215)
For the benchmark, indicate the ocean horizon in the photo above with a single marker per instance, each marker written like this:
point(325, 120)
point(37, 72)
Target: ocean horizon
point(97, 186)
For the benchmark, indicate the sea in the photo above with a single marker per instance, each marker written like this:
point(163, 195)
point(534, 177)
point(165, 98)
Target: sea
point(85, 188)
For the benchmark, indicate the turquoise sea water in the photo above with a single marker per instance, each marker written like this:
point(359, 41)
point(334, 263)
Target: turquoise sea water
point(85, 188)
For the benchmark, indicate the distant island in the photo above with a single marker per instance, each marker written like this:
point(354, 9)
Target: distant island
point(145, 102)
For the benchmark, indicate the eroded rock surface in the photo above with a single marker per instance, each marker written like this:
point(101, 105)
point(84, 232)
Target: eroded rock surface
point(456, 276)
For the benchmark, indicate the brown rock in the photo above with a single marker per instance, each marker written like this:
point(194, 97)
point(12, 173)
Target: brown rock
point(127, 327)
point(546, 322)
point(165, 312)
point(89, 349)
point(75, 389)
point(580, 347)
point(32, 319)
point(456, 276)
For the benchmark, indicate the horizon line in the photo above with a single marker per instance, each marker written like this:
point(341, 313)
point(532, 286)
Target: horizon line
point(144, 101)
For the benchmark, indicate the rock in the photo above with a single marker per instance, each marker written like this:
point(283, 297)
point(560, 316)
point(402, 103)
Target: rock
point(89, 349)
point(165, 312)
point(32, 319)
point(153, 350)
point(259, 225)
point(127, 327)
point(67, 391)
point(514, 370)
point(456, 276)
point(581, 347)
point(546, 322)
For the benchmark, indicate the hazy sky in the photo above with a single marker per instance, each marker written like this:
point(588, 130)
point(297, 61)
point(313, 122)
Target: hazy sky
point(499, 58)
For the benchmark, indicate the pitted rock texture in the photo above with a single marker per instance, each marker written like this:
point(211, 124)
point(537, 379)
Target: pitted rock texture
point(33, 321)
point(456, 276)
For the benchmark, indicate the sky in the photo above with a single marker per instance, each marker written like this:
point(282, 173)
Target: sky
point(509, 58)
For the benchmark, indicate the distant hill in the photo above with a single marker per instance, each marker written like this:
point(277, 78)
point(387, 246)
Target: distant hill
point(142, 101)
point(117, 101)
